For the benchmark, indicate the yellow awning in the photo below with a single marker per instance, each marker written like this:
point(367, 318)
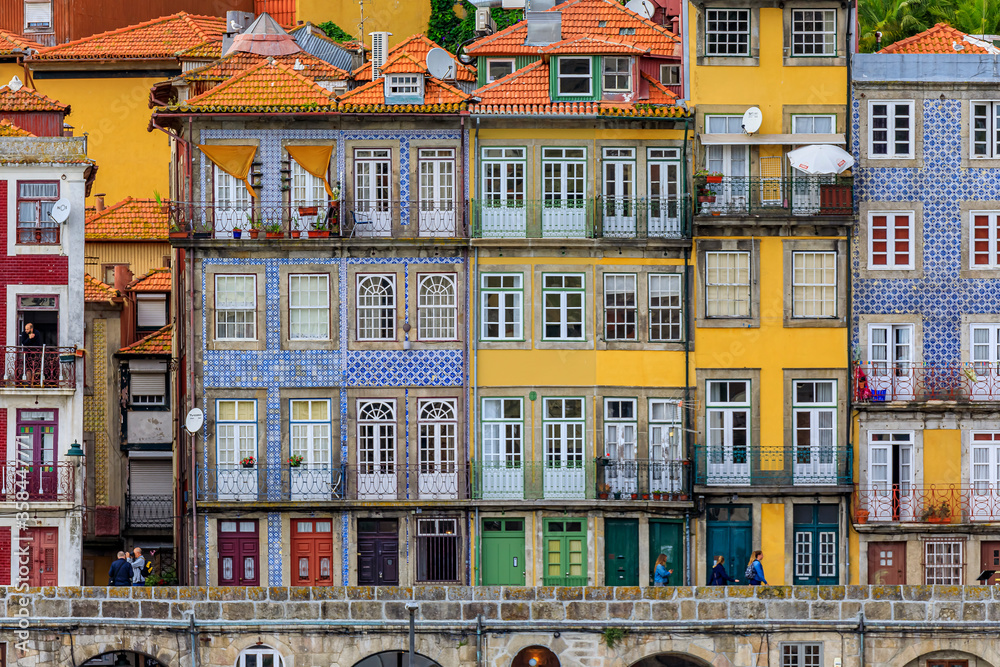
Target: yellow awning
point(315, 160)
point(234, 160)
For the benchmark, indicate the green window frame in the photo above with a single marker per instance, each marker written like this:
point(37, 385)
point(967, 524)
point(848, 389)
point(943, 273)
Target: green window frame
point(564, 310)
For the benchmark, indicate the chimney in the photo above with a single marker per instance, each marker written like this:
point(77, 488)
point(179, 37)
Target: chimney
point(122, 277)
point(99, 199)
point(380, 48)
point(544, 28)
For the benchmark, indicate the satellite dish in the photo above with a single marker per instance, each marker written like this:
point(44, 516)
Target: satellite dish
point(194, 421)
point(752, 119)
point(60, 211)
point(643, 8)
point(440, 64)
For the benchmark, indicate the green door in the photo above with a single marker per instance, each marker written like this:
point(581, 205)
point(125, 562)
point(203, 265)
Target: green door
point(816, 544)
point(667, 537)
point(728, 532)
point(565, 552)
point(621, 552)
point(502, 552)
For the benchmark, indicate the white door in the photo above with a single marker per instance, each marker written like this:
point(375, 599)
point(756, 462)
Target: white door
point(814, 415)
point(664, 447)
point(664, 193)
point(890, 493)
point(618, 204)
point(890, 351)
point(503, 466)
point(565, 474)
point(307, 192)
point(377, 450)
point(236, 441)
point(564, 205)
point(233, 206)
point(728, 450)
point(372, 208)
point(437, 192)
point(313, 478)
point(733, 162)
point(503, 210)
point(984, 505)
point(438, 427)
point(621, 473)
point(983, 381)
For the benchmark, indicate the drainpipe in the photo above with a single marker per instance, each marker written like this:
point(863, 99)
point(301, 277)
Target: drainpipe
point(687, 415)
point(475, 404)
point(194, 643)
point(479, 640)
point(861, 643)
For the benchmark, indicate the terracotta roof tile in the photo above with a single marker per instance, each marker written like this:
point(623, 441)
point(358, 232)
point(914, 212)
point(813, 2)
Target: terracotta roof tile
point(269, 86)
point(942, 38)
point(234, 63)
point(8, 129)
point(160, 38)
point(128, 220)
point(13, 44)
point(439, 97)
point(158, 342)
point(210, 50)
point(403, 63)
point(157, 280)
point(604, 20)
point(417, 46)
point(28, 99)
point(94, 291)
point(591, 45)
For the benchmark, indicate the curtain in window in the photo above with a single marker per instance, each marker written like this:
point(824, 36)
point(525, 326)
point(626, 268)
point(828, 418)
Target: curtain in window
point(234, 160)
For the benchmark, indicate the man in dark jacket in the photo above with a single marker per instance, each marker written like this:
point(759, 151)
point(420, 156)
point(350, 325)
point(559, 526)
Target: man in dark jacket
point(120, 573)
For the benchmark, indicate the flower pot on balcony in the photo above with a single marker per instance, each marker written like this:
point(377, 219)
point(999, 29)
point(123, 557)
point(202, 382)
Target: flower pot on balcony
point(645, 496)
point(635, 496)
point(203, 235)
point(684, 496)
point(938, 519)
point(308, 210)
point(618, 495)
point(602, 495)
point(707, 199)
point(237, 233)
point(274, 235)
point(182, 234)
point(861, 516)
point(713, 179)
point(657, 496)
point(254, 233)
point(248, 465)
point(296, 233)
point(316, 234)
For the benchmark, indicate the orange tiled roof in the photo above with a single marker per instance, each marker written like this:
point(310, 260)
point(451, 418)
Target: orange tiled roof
point(28, 99)
point(13, 44)
point(590, 45)
point(234, 63)
point(439, 97)
point(210, 50)
point(157, 280)
point(403, 63)
point(942, 38)
point(96, 291)
point(417, 46)
point(158, 342)
point(8, 129)
point(269, 87)
point(605, 20)
point(526, 91)
point(128, 220)
point(160, 38)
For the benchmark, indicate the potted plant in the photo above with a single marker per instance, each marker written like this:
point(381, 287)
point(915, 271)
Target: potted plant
point(160, 204)
point(177, 231)
point(308, 210)
point(657, 495)
point(645, 496)
point(255, 227)
point(295, 461)
point(635, 496)
point(248, 462)
point(320, 228)
point(202, 232)
point(273, 230)
point(618, 495)
point(602, 491)
point(237, 232)
point(709, 176)
point(705, 196)
point(937, 513)
point(860, 516)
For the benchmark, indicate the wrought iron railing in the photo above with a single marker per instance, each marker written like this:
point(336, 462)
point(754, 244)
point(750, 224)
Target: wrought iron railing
point(799, 195)
point(149, 511)
point(905, 503)
point(878, 383)
point(342, 219)
point(640, 218)
point(642, 479)
point(534, 480)
point(815, 465)
point(39, 367)
point(533, 218)
point(42, 482)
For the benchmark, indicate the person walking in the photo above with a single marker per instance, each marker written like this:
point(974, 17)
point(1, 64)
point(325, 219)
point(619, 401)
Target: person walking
point(661, 575)
point(755, 569)
point(120, 572)
point(719, 575)
point(138, 567)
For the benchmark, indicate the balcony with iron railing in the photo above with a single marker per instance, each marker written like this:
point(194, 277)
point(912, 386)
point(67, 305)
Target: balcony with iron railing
point(38, 368)
point(343, 219)
point(590, 217)
point(802, 195)
point(38, 482)
point(604, 479)
point(904, 503)
point(145, 512)
point(803, 466)
point(876, 384)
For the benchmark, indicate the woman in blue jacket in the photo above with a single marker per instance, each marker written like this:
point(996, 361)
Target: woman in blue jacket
point(719, 575)
point(756, 569)
point(661, 575)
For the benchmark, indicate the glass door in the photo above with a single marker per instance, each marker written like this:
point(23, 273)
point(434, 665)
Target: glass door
point(564, 209)
point(663, 167)
point(437, 191)
point(372, 192)
point(618, 207)
point(503, 212)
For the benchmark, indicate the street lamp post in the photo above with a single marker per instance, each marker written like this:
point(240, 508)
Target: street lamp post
point(412, 608)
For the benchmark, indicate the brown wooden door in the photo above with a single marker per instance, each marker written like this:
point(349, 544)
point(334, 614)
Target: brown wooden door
point(239, 553)
point(312, 552)
point(378, 547)
point(43, 550)
point(887, 563)
point(990, 560)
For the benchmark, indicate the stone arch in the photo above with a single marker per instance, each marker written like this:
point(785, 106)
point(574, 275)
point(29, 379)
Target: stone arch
point(134, 658)
point(391, 659)
point(671, 659)
point(915, 654)
point(145, 645)
point(685, 652)
point(535, 656)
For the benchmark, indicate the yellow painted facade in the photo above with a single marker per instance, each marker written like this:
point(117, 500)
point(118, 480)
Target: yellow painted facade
point(402, 18)
point(141, 257)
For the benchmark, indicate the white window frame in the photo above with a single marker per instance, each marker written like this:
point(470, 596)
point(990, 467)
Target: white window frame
point(38, 26)
point(672, 281)
point(564, 308)
point(728, 285)
point(875, 135)
point(890, 250)
point(242, 432)
point(490, 62)
point(404, 84)
point(985, 356)
point(813, 117)
point(815, 472)
point(147, 400)
point(992, 240)
point(560, 77)
point(509, 305)
point(944, 562)
point(617, 74)
point(723, 452)
point(796, 47)
point(371, 317)
point(674, 73)
point(321, 313)
point(151, 300)
point(801, 654)
point(311, 438)
point(619, 443)
point(984, 141)
point(503, 436)
point(437, 318)
point(259, 653)
point(370, 433)
point(665, 444)
point(565, 438)
point(306, 189)
point(243, 314)
point(712, 45)
point(621, 286)
point(893, 347)
point(807, 290)
point(438, 436)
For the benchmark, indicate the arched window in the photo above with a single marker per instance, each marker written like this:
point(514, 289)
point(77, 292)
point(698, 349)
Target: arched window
point(260, 655)
point(377, 307)
point(437, 307)
point(394, 658)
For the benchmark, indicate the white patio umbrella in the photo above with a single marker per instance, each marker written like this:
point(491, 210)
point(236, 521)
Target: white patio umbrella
point(821, 159)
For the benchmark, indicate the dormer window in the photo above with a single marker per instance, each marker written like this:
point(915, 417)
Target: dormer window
point(404, 88)
point(617, 74)
point(498, 68)
point(574, 77)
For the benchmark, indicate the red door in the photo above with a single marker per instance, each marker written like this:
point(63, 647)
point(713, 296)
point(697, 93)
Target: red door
point(887, 563)
point(239, 553)
point(43, 549)
point(990, 560)
point(36, 431)
point(312, 552)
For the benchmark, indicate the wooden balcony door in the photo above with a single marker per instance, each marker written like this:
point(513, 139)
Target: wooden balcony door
point(43, 555)
point(36, 433)
point(378, 552)
point(437, 191)
point(887, 563)
point(312, 552)
point(503, 212)
point(663, 191)
point(619, 192)
point(239, 553)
